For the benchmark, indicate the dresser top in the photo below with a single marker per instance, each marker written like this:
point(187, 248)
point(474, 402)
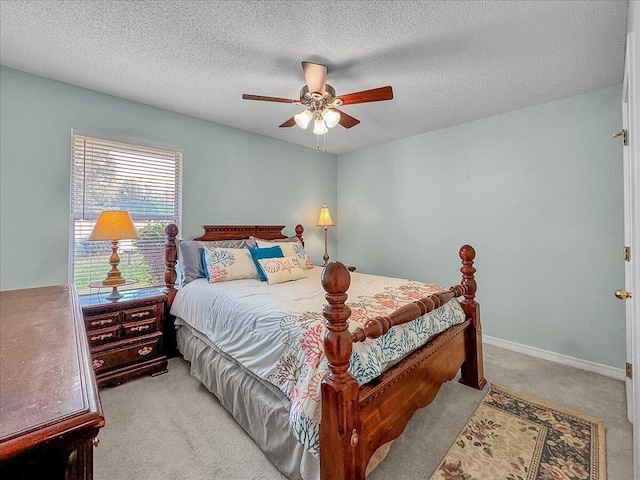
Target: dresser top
point(47, 385)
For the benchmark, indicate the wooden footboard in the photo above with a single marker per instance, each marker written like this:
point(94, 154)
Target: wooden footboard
point(356, 421)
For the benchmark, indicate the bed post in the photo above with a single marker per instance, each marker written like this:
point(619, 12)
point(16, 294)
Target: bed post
point(170, 259)
point(472, 371)
point(299, 232)
point(340, 453)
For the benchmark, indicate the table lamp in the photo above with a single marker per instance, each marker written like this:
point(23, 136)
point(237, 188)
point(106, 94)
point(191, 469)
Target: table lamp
point(114, 225)
point(325, 221)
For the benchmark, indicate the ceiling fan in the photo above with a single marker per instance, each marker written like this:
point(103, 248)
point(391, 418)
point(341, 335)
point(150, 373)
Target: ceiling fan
point(321, 101)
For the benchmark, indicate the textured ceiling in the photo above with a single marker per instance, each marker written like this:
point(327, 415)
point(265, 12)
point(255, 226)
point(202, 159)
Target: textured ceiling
point(449, 62)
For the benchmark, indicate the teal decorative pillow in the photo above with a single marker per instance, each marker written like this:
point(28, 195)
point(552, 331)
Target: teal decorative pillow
point(203, 264)
point(289, 249)
point(224, 264)
point(259, 253)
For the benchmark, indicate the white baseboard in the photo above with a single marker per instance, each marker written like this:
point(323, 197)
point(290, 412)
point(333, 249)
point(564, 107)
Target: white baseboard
point(606, 370)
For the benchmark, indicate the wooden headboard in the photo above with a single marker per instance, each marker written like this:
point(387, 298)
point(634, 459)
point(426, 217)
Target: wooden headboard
point(235, 232)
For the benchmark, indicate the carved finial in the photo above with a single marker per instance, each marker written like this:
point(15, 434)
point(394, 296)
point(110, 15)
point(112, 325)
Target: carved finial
point(467, 255)
point(299, 232)
point(467, 252)
point(171, 230)
point(335, 278)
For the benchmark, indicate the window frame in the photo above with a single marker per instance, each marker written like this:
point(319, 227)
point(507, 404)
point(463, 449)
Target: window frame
point(74, 216)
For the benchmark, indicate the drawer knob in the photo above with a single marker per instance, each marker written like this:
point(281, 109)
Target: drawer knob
point(97, 364)
point(140, 314)
point(101, 322)
point(140, 328)
point(145, 351)
point(102, 337)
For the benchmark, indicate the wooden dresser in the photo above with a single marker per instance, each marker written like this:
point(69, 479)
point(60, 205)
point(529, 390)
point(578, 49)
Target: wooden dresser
point(50, 411)
point(125, 336)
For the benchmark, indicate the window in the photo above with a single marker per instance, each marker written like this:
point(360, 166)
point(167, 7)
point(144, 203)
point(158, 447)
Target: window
point(145, 181)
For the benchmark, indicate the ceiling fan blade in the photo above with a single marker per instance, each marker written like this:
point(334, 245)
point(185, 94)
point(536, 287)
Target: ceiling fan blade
point(316, 77)
point(246, 96)
point(347, 121)
point(374, 95)
point(289, 123)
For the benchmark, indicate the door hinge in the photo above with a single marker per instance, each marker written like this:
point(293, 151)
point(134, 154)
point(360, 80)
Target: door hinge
point(622, 133)
point(627, 254)
point(629, 370)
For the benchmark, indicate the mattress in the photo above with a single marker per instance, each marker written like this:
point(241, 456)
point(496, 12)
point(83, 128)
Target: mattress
point(275, 332)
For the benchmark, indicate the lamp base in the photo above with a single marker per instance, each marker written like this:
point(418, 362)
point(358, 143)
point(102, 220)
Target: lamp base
point(325, 257)
point(114, 295)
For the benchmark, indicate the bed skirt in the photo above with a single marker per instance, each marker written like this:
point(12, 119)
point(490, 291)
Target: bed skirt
point(258, 406)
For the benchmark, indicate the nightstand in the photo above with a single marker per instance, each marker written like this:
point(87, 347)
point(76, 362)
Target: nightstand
point(125, 336)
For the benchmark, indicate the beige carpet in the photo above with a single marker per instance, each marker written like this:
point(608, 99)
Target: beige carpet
point(170, 427)
point(512, 436)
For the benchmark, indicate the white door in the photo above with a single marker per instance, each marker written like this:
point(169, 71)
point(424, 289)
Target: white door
point(631, 291)
point(628, 237)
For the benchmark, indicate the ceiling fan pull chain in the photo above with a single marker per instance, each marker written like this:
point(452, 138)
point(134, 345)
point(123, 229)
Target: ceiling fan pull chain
point(318, 142)
point(324, 143)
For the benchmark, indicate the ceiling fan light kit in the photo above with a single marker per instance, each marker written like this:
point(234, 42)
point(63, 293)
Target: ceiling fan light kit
point(331, 117)
point(320, 128)
point(321, 101)
point(303, 118)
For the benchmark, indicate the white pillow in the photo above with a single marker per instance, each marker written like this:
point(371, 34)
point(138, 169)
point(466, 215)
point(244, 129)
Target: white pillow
point(289, 249)
point(279, 270)
point(224, 264)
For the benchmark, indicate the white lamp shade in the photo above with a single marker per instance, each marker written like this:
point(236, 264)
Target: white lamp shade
point(331, 117)
point(113, 225)
point(325, 217)
point(320, 128)
point(303, 118)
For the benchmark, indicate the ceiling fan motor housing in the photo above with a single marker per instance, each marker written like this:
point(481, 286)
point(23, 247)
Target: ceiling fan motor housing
point(318, 101)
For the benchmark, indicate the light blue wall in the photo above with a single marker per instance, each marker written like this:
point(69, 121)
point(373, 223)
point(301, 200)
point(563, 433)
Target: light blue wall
point(229, 176)
point(537, 192)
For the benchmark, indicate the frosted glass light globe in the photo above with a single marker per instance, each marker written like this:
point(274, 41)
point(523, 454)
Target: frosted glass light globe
point(320, 128)
point(331, 117)
point(303, 118)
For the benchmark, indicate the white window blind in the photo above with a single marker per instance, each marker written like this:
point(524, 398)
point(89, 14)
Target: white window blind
point(114, 175)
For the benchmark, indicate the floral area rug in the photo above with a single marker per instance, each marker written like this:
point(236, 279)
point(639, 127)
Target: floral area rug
point(512, 436)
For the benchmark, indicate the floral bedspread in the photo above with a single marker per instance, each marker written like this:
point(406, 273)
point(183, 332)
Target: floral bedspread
point(276, 332)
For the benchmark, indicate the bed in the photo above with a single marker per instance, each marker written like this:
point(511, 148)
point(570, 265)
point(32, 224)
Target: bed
point(342, 433)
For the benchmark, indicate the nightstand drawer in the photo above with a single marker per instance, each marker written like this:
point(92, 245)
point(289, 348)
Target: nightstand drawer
point(126, 355)
point(139, 314)
point(139, 328)
point(97, 322)
point(98, 337)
